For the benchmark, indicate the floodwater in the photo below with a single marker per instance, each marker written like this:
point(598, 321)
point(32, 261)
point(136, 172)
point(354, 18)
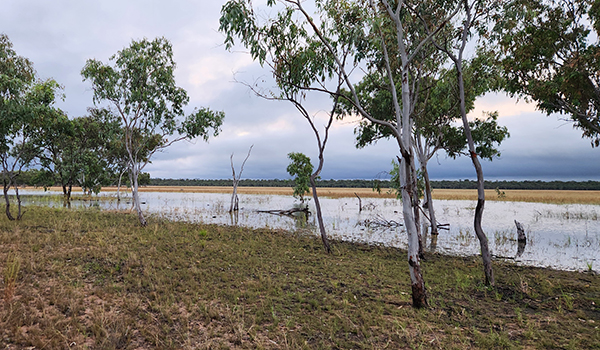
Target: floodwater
point(559, 236)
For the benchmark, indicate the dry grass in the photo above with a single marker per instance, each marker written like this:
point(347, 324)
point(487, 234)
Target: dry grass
point(96, 280)
point(538, 196)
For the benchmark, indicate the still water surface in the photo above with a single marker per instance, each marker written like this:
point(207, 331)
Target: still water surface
point(559, 236)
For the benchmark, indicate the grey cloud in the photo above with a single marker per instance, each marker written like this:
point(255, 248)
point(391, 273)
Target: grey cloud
point(59, 36)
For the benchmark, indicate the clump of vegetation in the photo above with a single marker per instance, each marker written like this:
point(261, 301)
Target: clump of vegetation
point(93, 279)
point(11, 272)
point(501, 194)
point(301, 168)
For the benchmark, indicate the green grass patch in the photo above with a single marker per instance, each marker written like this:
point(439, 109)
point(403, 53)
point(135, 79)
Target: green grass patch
point(90, 279)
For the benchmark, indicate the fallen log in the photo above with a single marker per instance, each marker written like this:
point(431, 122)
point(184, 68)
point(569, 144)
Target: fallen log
point(288, 212)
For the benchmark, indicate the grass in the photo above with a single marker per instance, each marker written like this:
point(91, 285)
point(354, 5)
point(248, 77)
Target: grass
point(535, 196)
point(538, 196)
point(96, 280)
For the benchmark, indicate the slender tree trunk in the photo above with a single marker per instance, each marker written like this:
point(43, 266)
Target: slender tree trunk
point(119, 187)
point(136, 199)
point(7, 200)
point(234, 198)
point(66, 196)
point(408, 182)
point(416, 209)
point(20, 211)
point(319, 215)
point(429, 200)
point(419, 294)
point(483, 241)
point(133, 199)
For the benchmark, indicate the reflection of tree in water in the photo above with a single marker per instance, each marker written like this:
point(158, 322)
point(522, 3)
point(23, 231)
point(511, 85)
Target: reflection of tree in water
point(302, 221)
point(235, 217)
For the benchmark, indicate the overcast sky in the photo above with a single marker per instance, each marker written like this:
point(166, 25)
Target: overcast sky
point(60, 35)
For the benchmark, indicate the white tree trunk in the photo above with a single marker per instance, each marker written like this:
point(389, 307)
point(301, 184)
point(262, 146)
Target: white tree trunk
point(408, 182)
point(419, 294)
point(429, 200)
point(483, 241)
point(119, 187)
point(136, 196)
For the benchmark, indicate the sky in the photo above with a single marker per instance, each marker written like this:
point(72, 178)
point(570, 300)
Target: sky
point(59, 36)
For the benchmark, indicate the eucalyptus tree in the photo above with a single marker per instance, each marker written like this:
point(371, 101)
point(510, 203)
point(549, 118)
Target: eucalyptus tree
point(550, 53)
point(473, 20)
point(340, 41)
point(94, 135)
point(305, 178)
point(59, 156)
point(301, 165)
point(435, 116)
point(293, 65)
point(23, 99)
point(140, 88)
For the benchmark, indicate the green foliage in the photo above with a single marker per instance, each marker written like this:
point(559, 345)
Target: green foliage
point(300, 167)
point(436, 111)
point(140, 86)
point(550, 54)
point(144, 179)
point(394, 182)
point(24, 101)
point(500, 194)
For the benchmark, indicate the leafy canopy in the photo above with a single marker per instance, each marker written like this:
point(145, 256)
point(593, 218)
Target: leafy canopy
point(551, 55)
point(140, 86)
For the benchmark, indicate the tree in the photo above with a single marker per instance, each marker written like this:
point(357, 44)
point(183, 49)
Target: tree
point(140, 88)
point(473, 16)
point(435, 114)
point(293, 66)
point(93, 138)
point(59, 155)
point(550, 53)
point(236, 180)
point(371, 35)
point(301, 168)
point(313, 176)
point(23, 100)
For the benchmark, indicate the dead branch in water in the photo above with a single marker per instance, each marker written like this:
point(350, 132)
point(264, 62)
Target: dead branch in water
point(288, 212)
point(379, 222)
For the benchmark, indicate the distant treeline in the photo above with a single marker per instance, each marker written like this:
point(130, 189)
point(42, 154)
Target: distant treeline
point(519, 185)
point(260, 183)
point(458, 184)
point(31, 178)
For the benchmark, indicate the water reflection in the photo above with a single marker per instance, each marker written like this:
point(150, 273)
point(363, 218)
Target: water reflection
point(560, 236)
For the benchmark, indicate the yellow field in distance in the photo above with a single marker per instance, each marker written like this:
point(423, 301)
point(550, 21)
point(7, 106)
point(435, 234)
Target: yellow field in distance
point(539, 196)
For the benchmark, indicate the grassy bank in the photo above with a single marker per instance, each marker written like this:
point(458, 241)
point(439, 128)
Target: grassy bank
point(96, 280)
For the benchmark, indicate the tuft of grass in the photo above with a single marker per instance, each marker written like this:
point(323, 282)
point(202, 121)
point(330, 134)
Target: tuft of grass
point(93, 279)
point(12, 266)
